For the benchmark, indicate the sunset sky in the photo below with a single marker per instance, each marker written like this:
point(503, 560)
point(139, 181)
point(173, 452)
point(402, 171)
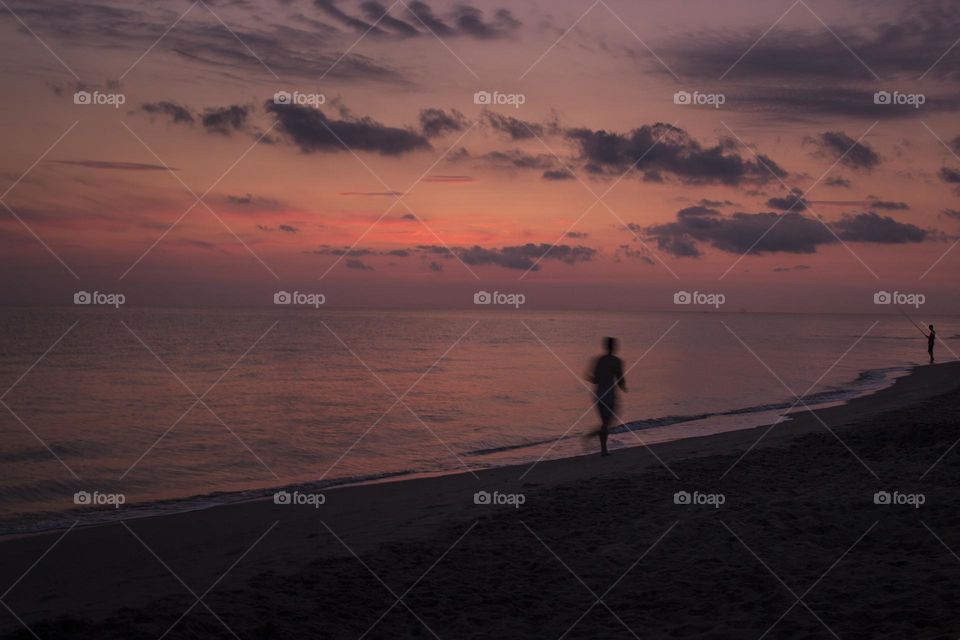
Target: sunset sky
point(797, 193)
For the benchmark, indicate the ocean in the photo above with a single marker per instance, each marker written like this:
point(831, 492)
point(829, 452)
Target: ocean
point(178, 409)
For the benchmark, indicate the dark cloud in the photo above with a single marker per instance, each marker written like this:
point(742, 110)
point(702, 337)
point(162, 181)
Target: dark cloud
point(557, 175)
point(225, 120)
point(360, 265)
point(509, 257)
point(515, 128)
point(300, 48)
point(854, 154)
point(888, 205)
point(799, 267)
point(285, 228)
point(896, 46)
point(314, 132)
point(951, 213)
point(770, 232)
point(626, 251)
point(463, 21)
point(115, 166)
point(577, 235)
point(435, 266)
point(437, 122)
point(715, 204)
point(661, 150)
point(794, 201)
point(950, 176)
point(177, 113)
point(837, 181)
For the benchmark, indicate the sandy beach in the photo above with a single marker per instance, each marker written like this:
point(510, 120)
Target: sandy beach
point(783, 540)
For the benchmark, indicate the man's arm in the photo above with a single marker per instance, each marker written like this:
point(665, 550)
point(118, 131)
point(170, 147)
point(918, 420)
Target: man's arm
point(621, 381)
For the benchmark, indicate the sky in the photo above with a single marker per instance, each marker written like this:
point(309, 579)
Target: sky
point(791, 156)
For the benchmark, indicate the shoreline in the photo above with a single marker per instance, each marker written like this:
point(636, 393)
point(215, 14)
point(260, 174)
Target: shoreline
point(53, 522)
point(97, 570)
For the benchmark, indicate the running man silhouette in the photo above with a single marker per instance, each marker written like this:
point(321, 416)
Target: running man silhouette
point(931, 341)
point(607, 374)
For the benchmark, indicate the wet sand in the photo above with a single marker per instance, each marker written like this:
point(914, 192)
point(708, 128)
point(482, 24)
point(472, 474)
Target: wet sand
point(797, 520)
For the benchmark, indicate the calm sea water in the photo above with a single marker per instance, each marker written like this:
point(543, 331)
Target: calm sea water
point(294, 397)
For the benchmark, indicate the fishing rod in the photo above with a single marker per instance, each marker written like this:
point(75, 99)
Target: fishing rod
point(919, 328)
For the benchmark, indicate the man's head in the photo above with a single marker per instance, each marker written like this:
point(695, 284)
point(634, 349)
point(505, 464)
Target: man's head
point(931, 327)
point(610, 344)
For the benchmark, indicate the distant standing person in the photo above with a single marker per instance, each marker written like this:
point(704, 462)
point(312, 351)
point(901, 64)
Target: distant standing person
point(931, 341)
point(607, 375)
